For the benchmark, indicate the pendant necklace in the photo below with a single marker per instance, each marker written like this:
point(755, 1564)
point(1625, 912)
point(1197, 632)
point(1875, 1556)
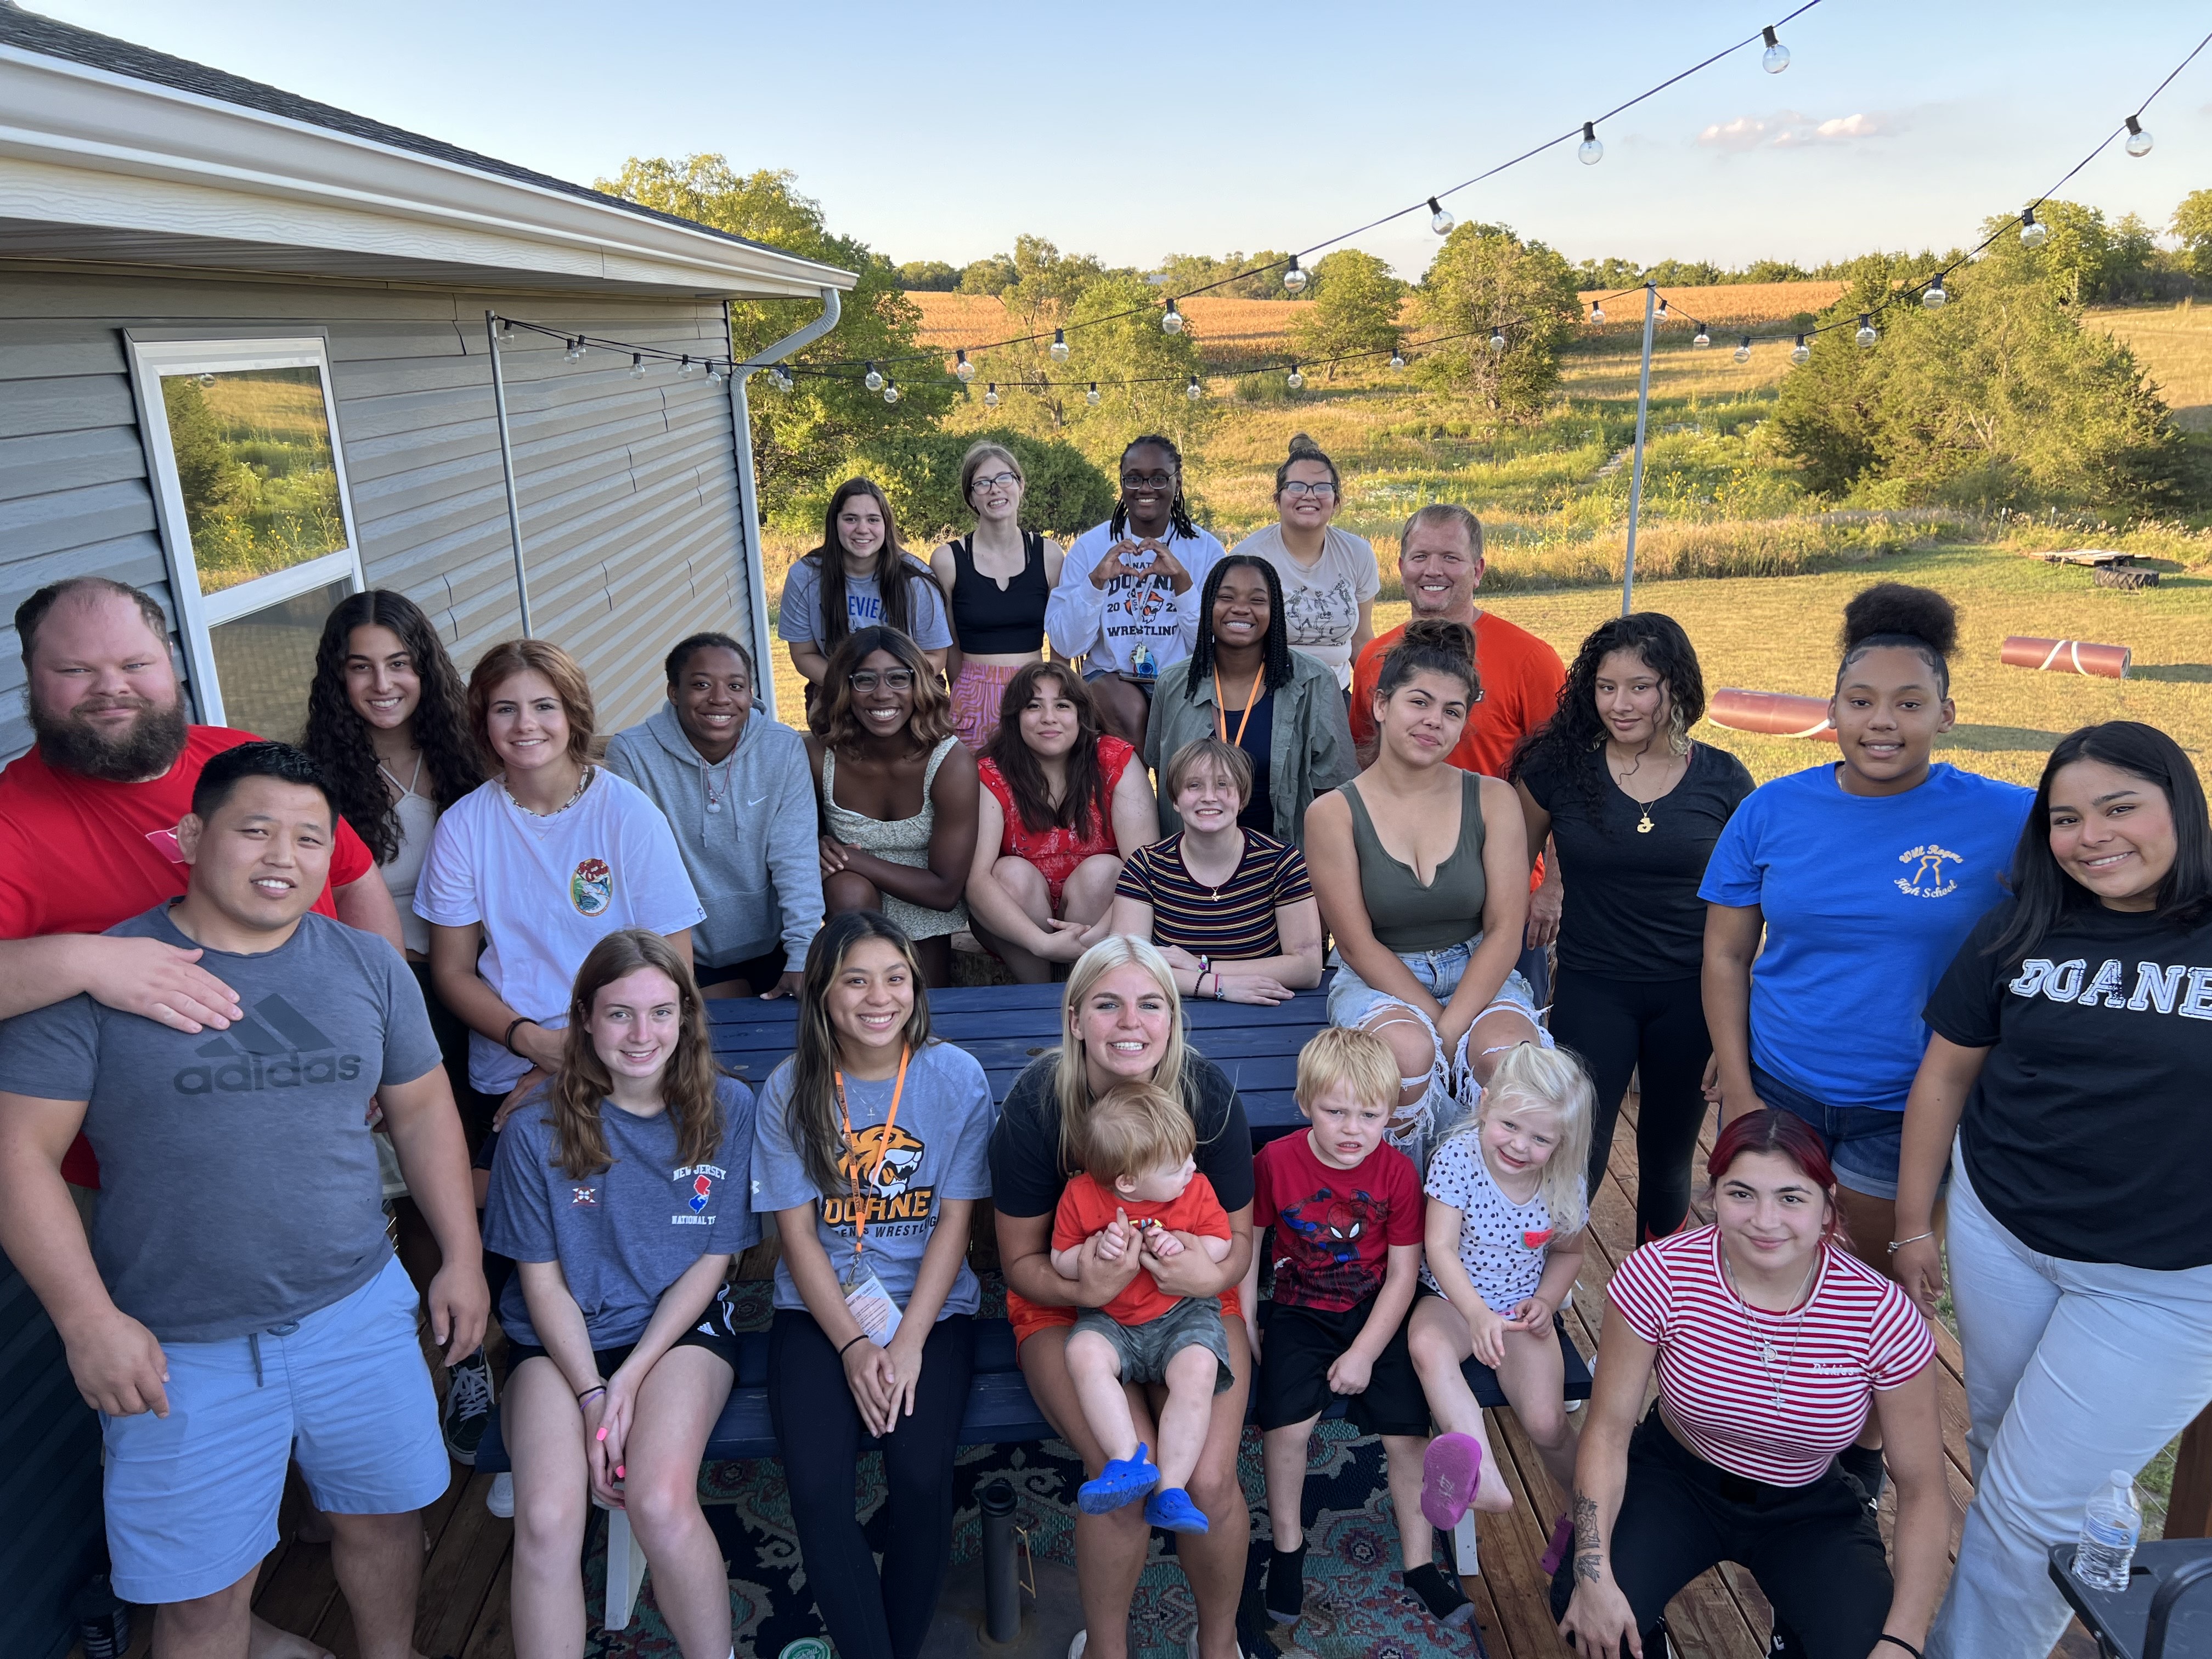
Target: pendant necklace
point(1764, 1344)
point(707, 783)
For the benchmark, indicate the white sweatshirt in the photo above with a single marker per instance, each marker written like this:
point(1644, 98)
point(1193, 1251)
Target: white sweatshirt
point(1105, 625)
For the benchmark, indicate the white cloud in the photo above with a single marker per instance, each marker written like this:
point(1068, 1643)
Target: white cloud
point(1792, 130)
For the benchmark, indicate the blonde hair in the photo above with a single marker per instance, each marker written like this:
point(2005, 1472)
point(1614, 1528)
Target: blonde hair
point(1551, 1081)
point(1360, 1060)
point(1134, 1128)
point(1071, 1081)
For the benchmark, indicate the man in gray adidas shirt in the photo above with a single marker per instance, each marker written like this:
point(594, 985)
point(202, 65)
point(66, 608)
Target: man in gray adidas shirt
point(237, 1305)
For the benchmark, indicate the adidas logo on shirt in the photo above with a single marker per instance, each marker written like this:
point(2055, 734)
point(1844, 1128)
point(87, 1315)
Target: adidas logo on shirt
point(274, 1047)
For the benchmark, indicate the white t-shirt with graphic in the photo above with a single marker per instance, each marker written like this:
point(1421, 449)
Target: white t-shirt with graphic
point(546, 889)
point(1104, 626)
point(1322, 604)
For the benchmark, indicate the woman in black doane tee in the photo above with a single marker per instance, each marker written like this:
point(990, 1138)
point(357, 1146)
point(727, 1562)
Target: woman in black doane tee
point(2073, 1037)
point(1634, 807)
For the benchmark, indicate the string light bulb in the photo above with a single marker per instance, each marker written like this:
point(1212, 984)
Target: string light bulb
point(1801, 353)
point(575, 349)
point(714, 373)
point(1497, 340)
point(962, 367)
point(991, 395)
point(1059, 345)
point(2032, 235)
point(1935, 298)
point(1092, 396)
point(1397, 359)
point(1866, 336)
point(505, 332)
point(1700, 340)
point(1589, 152)
point(636, 366)
point(891, 392)
point(1294, 380)
point(874, 379)
point(2138, 140)
point(1294, 280)
point(684, 369)
point(1173, 321)
point(1776, 57)
point(1440, 219)
point(1597, 312)
point(1743, 350)
point(1194, 391)
point(1662, 312)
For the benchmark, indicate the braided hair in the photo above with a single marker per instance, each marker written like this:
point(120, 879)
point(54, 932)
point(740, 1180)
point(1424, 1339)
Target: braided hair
point(1277, 642)
point(1563, 744)
point(1179, 520)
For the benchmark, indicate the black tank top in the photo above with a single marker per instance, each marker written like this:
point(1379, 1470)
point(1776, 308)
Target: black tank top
point(991, 622)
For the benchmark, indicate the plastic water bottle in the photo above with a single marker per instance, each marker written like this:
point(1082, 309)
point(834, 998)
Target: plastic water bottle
point(2109, 1529)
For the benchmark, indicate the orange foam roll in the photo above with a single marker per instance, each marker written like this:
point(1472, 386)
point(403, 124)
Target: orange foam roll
point(1776, 713)
point(2109, 662)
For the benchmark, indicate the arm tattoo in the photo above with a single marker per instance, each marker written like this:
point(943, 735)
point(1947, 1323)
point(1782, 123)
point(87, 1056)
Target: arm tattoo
point(1590, 1549)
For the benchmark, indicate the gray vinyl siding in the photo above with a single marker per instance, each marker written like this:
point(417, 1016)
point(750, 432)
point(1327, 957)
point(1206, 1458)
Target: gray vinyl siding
point(628, 487)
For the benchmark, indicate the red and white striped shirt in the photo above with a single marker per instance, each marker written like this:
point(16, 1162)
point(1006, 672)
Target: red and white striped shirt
point(1856, 1333)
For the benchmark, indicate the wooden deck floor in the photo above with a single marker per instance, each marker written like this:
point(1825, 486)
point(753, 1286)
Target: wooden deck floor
point(1722, 1616)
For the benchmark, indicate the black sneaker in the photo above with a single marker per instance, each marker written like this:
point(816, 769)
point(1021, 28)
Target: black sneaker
point(467, 1409)
point(1286, 1585)
point(1440, 1594)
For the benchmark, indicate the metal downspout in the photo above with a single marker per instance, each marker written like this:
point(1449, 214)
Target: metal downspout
point(751, 559)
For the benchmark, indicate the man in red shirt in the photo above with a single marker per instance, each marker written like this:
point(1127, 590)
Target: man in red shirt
point(1440, 565)
point(88, 821)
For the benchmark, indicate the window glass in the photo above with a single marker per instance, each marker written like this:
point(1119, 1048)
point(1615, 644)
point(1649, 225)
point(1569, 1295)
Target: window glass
point(253, 453)
point(266, 660)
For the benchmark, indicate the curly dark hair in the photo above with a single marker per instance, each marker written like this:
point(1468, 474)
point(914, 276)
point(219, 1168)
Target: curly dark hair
point(1179, 522)
point(1086, 804)
point(1277, 643)
point(338, 737)
point(1898, 614)
point(1564, 743)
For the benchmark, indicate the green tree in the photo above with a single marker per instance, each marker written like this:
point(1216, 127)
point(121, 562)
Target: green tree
point(802, 436)
point(2001, 397)
point(1769, 271)
point(994, 275)
point(1107, 346)
point(1611, 272)
point(2192, 223)
point(1354, 309)
point(1186, 273)
point(1487, 277)
point(928, 277)
point(1687, 273)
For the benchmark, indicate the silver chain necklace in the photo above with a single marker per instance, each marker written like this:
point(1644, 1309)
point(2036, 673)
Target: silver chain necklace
point(1762, 1343)
point(582, 782)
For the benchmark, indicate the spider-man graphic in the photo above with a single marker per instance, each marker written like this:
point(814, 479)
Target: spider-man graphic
point(1323, 1254)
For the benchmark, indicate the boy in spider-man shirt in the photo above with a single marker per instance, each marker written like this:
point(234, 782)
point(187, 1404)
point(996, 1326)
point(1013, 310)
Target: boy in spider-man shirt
point(1346, 1215)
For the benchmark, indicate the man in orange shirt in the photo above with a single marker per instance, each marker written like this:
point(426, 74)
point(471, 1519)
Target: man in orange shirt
point(1440, 565)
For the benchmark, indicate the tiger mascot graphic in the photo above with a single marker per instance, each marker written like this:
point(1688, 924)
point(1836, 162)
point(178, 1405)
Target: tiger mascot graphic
point(880, 1163)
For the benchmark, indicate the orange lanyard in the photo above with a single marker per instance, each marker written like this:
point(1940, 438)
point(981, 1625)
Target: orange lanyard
point(1221, 714)
point(859, 1208)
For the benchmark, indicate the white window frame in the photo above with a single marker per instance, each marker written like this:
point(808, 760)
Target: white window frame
point(198, 613)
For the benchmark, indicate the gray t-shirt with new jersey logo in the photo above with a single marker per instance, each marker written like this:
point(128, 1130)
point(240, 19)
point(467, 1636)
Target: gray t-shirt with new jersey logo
point(624, 1235)
point(238, 1185)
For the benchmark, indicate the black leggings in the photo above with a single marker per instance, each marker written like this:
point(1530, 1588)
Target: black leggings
point(1657, 1027)
point(820, 1438)
point(1814, 1550)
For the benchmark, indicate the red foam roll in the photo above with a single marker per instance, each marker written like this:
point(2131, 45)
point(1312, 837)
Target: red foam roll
point(2109, 662)
point(1776, 713)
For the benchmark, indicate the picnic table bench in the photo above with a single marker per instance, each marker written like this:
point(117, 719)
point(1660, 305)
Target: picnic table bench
point(1004, 1027)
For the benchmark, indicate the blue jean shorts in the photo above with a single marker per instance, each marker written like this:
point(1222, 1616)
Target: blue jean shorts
point(1352, 1001)
point(1863, 1141)
point(191, 1497)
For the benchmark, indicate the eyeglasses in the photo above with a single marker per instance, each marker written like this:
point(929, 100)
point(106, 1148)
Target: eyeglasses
point(996, 481)
point(1148, 481)
point(892, 679)
point(1298, 486)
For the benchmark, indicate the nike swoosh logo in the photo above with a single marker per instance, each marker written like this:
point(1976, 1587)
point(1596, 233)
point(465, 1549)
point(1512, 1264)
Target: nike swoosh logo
point(757, 800)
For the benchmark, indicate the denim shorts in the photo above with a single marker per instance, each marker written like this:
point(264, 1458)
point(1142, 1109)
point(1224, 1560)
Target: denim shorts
point(1352, 1001)
point(191, 1497)
point(1863, 1141)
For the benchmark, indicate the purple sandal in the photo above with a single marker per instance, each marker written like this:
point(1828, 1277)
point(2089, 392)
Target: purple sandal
point(1451, 1469)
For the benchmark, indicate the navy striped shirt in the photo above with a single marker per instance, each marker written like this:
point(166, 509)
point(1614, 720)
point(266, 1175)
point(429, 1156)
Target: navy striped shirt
point(1233, 922)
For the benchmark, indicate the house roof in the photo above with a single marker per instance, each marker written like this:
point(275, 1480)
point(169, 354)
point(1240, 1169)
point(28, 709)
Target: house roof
point(115, 61)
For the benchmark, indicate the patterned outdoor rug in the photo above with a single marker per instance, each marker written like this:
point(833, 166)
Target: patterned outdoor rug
point(1356, 1605)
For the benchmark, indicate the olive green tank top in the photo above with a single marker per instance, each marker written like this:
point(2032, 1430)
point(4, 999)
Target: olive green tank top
point(1406, 916)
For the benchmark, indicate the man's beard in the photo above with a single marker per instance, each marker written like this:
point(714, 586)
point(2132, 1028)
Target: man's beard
point(150, 747)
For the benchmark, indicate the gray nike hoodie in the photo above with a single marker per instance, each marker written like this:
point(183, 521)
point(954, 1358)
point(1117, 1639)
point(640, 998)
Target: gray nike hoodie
point(757, 863)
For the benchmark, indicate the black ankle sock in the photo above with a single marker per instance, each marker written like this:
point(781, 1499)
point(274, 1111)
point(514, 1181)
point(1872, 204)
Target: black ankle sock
point(1286, 1585)
point(1863, 1465)
point(1441, 1596)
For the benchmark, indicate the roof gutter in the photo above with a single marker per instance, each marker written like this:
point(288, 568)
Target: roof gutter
point(751, 560)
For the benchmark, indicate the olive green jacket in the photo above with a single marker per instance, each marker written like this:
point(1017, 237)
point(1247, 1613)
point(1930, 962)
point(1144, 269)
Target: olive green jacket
point(1310, 747)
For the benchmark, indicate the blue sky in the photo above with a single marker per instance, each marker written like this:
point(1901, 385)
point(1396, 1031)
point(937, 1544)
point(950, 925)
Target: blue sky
point(940, 132)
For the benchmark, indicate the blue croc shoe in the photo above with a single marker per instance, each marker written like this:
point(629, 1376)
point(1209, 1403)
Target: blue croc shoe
point(1170, 1507)
point(1122, 1482)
